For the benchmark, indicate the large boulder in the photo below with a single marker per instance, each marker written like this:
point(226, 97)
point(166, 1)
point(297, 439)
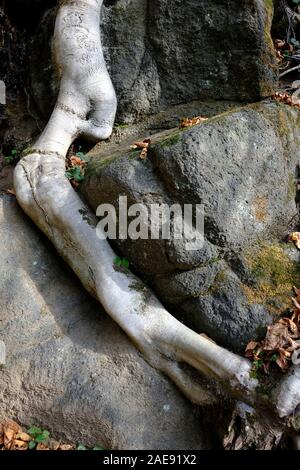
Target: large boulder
point(69, 368)
point(165, 52)
point(241, 166)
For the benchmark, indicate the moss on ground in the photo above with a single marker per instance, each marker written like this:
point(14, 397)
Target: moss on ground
point(171, 140)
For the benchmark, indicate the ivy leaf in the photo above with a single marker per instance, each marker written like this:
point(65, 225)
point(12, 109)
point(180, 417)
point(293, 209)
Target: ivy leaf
point(34, 430)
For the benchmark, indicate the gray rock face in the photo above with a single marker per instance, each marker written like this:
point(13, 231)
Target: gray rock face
point(165, 52)
point(68, 367)
point(241, 167)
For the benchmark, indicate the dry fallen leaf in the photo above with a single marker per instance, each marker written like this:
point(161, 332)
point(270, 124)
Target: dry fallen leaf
point(251, 349)
point(42, 446)
point(144, 146)
point(9, 430)
point(285, 98)
point(186, 122)
point(280, 44)
point(279, 56)
point(66, 447)
point(281, 343)
point(12, 437)
point(295, 237)
point(144, 153)
point(76, 161)
point(23, 436)
point(19, 445)
point(297, 291)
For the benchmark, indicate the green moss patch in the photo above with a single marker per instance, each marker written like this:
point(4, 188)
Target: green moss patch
point(275, 273)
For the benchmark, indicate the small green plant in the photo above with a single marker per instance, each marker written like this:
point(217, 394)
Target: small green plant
point(75, 173)
point(38, 436)
point(12, 157)
point(121, 262)
point(120, 125)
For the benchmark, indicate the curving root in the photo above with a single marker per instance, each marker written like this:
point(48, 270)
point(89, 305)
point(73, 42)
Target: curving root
point(86, 106)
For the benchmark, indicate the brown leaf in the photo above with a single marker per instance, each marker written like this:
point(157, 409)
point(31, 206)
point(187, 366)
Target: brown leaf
point(207, 337)
point(277, 336)
point(297, 291)
point(10, 429)
point(19, 445)
point(252, 345)
point(279, 56)
point(9, 435)
point(12, 425)
point(66, 447)
point(186, 122)
point(76, 161)
point(289, 100)
point(295, 302)
point(144, 153)
point(42, 446)
point(252, 349)
point(295, 237)
point(279, 43)
point(23, 436)
point(12, 192)
point(142, 144)
point(282, 361)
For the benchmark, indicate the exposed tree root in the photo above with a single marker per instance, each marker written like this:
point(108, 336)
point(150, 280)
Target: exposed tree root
point(247, 430)
point(86, 107)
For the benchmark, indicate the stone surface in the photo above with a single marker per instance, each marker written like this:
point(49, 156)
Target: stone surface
point(165, 52)
point(69, 368)
point(241, 166)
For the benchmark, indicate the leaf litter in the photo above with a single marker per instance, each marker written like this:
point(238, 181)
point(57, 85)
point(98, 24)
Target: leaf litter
point(14, 437)
point(281, 344)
